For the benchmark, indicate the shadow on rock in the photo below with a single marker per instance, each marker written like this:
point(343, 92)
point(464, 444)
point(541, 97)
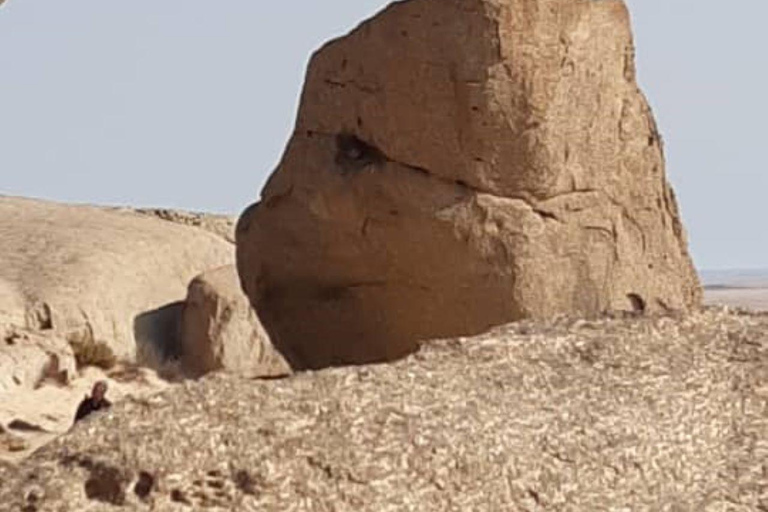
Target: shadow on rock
point(158, 336)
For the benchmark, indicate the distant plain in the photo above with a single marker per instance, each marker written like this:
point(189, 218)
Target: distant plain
point(736, 288)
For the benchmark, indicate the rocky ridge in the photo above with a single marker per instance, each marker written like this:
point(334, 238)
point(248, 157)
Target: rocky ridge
point(108, 282)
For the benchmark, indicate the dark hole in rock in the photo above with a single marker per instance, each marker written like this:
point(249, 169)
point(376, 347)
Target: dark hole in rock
point(25, 426)
point(637, 303)
point(158, 335)
point(179, 497)
point(32, 497)
point(41, 316)
point(106, 484)
point(354, 154)
point(215, 484)
point(144, 485)
point(245, 482)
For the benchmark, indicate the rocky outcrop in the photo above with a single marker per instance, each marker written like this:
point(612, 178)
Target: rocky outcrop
point(457, 165)
point(109, 282)
point(644, 414)
point(27, 359)
point(221, 331)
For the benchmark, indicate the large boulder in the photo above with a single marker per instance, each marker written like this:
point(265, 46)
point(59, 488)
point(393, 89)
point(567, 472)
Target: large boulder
point(109, 282)
point(221, 331)
point(461, 164)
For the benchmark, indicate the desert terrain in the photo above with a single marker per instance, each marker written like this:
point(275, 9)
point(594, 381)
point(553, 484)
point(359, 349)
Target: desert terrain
point(737, 288)
point(466, 286)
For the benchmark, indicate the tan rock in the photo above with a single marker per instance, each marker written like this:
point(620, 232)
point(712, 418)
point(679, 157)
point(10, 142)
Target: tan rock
point(109, 282)
point(27, 359)
point(221, 331)
point(458, 165)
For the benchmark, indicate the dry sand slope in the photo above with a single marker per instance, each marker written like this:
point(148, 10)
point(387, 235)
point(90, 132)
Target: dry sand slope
point(644, 414)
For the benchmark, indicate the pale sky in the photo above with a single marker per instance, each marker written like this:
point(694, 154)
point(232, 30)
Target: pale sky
point(189, 103)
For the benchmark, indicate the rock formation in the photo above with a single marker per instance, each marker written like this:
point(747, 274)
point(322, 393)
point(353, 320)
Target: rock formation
point(220, 330)
point(641, 414)
point(27, 359)
point(457, 165)
point(109, 282)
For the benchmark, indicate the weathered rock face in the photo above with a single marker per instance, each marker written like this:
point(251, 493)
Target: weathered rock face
point(460, 164)
point(220, 330)
point(27, 359)
point(111, 283)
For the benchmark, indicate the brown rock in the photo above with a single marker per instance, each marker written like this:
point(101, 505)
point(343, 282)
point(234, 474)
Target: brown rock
point(109, 282)
point(458, 165)
point(220, 330)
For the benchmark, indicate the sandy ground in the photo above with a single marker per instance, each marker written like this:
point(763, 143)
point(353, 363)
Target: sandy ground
point(49, 411)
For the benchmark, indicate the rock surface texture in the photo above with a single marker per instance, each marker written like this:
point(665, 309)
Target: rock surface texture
point(109, 282)
point(457, 165)
point(27, 359)
point(648, 414)
point(220, 330)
